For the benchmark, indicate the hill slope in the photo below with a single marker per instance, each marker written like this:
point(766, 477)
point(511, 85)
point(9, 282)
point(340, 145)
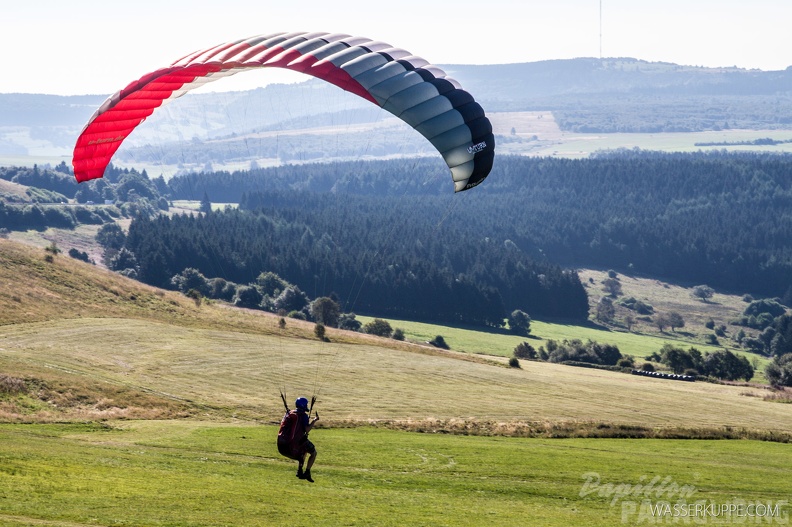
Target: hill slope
point(88, 344)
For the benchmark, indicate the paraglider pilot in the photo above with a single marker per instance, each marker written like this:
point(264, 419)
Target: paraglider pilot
point(293, 439)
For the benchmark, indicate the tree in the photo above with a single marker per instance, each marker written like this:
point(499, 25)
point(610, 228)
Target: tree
point(612, 286)
point(326, 311)
point(221, 288)
point(291, 299)
point(605, 310)
point(675, 358)
point(124, 259)
point(349, 322)
point(675, 320)
point(247, 296)
point(524, 350)
point(724, 364)
point(661, 321)
point(629, 321)
point(206, 205)
point(271, 284)
point(378, 327)
point(110, 236)
point(704, 292)
point(191, 279)
point(398, 334)
point(519, 323)
point(779, 372)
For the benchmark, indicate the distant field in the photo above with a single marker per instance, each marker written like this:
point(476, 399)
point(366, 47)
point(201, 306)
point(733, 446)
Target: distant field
point(502, 343)
point(197, 473)
point(535, 133)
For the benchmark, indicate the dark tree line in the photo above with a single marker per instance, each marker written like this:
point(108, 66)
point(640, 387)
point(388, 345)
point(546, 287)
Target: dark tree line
point(378, 255)
point(716, 218)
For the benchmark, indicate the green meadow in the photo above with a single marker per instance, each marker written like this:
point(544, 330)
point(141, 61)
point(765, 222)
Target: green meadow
point(187, 473)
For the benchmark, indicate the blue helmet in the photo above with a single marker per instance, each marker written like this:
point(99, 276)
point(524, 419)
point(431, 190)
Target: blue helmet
point(301, 403)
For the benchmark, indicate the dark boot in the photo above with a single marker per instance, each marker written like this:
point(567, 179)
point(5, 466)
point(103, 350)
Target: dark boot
point(300, 473)
point(307, 476)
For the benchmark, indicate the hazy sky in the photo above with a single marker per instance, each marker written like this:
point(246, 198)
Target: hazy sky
point(99, 46)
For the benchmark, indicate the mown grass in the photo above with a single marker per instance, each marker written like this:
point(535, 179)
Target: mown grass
point(92, 327)
point(192, 473)
point(231, 373)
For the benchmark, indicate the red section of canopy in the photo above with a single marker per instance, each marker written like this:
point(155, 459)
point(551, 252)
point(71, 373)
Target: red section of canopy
point(124, 111)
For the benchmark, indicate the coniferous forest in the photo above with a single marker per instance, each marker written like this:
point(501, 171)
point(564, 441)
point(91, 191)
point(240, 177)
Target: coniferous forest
point(375, 254)
point(722, 219)
point(391, 238)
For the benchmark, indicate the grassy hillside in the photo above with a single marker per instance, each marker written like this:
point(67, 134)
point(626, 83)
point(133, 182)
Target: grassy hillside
point(124, 404)
point(131, 350)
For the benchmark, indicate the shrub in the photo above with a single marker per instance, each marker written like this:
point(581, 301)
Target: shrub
point(398, 334)
point(319, 331)
point(299, 315)
point(514, 362)
point(647, 366)
point(52, 248)
point(626, 362)
point(12, 385)
point(640, 307)
point(591, 352)
point(439, 342)
point(765, 306)
point(79, 255)
point(523, 350)
point(378, 327)
point(195, 295)
point(349, 322)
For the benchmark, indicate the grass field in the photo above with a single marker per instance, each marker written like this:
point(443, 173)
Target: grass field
point(143, 407)
point(195, 473)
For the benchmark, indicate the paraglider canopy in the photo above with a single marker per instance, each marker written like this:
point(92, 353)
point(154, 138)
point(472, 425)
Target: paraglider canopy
point(405, 85)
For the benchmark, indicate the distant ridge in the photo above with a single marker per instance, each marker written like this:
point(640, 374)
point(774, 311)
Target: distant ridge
point(584, 95)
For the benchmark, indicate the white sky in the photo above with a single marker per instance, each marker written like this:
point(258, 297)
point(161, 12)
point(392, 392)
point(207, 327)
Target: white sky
point(71, 47)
